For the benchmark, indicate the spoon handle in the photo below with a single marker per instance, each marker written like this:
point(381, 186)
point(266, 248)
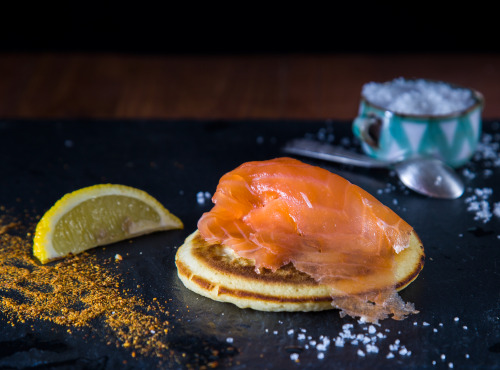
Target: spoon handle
point(328, 152)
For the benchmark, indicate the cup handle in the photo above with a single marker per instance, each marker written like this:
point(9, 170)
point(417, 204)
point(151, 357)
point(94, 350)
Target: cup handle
point(368, 129)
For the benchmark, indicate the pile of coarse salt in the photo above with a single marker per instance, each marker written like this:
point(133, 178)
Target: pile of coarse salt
point(479, 204)
point(367, 341)
point(368, 338)
point(480, 201)
point(418, 97)
point(488, 150)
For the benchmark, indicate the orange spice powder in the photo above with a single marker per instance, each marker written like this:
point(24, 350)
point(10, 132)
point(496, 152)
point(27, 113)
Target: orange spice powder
point(74, 293)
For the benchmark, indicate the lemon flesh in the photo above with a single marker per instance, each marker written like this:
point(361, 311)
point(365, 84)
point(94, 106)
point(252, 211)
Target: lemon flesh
point(98, 215)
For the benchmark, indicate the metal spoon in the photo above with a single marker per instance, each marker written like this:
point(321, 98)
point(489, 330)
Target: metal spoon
point(427, 176)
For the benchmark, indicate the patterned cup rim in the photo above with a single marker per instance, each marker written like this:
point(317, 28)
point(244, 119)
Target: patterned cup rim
point(477, 96)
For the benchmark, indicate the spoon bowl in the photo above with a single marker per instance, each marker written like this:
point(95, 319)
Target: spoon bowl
point(431, 177)
point(428, 176)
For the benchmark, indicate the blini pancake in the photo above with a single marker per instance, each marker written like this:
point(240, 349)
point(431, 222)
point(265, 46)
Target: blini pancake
point(216, 272)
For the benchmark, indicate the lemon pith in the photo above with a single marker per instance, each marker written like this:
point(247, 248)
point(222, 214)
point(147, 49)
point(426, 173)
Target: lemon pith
point(98, 215)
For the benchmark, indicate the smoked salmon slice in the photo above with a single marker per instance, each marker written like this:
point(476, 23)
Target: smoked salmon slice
point(283, 211)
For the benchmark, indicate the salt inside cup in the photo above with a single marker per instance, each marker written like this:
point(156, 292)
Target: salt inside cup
point(406, 118)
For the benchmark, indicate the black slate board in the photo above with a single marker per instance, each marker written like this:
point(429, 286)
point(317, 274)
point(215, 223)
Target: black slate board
point(173, 161)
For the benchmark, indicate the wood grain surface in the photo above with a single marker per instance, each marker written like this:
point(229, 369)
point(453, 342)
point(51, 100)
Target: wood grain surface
point(269, 86)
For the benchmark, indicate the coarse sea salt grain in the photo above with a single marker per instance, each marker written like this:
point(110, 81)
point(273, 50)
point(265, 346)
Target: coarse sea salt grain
point(370, 348)
point(324, 134)
point(418, 97)
point(324, 345)
point(469, 174)
point(496, 209)
point(202, 197)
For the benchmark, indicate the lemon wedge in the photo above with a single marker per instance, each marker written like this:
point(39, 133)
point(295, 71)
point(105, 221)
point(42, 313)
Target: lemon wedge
point(98, 215)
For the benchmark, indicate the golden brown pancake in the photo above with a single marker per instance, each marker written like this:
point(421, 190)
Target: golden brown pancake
point(216, 272)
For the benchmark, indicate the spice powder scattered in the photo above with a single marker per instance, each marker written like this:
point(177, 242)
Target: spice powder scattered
point(74, 293)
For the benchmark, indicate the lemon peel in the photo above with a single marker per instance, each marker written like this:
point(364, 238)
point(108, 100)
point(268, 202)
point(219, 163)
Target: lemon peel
point(98, 215)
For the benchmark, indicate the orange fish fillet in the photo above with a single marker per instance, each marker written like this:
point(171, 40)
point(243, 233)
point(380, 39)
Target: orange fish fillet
point(284, 211)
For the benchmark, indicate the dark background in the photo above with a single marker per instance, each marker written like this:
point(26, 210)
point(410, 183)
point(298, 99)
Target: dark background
point(247, 27)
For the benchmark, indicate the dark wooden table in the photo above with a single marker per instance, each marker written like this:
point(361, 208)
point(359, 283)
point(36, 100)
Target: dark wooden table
point(298, 86)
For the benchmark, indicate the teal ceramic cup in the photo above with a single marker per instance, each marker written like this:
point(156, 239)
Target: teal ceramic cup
point(390, 136)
